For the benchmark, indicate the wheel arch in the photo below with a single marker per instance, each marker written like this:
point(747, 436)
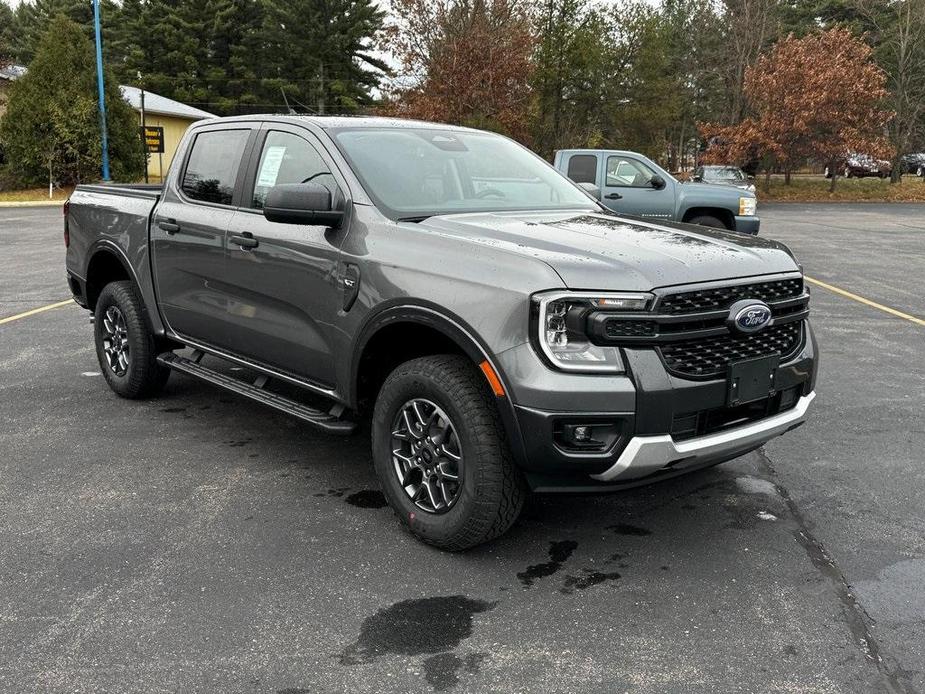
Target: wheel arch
point(442, 332)
point(721, 213)
point(106, 263)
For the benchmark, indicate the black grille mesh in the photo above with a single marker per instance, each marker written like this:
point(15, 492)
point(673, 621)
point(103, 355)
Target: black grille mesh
point(723, 297)
point(710, 356)
point(616, 328)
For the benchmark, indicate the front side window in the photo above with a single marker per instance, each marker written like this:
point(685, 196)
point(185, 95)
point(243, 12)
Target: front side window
point(419, 172)
point(626, 172)
point(287, 158)
point(213, 165)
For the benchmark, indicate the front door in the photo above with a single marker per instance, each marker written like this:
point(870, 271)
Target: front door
point(283, 293)
point(188, 234)
point(628, 189)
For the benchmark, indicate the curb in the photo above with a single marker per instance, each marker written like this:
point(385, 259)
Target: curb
point(33, 203)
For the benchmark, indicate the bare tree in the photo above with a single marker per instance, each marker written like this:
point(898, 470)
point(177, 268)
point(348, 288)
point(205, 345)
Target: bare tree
point(900, 27)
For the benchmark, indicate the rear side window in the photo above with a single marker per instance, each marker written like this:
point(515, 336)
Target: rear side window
point(213, 165)
point(582, 168)
point(287, 158)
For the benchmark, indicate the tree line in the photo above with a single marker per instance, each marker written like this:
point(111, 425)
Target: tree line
point(665, 79)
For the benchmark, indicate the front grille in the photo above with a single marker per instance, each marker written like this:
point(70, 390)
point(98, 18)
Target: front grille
point(719, 298)
point(615, 328)
point(711, 355)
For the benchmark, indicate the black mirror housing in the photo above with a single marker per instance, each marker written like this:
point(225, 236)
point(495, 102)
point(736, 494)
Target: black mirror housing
point(657, 182)
point(301, 203)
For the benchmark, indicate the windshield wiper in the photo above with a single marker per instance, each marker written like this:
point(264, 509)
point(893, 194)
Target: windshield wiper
point(418, 218)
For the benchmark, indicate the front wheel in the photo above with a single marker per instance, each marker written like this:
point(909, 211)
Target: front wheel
point(441, 453)
point(125, 347)
point(706, 220)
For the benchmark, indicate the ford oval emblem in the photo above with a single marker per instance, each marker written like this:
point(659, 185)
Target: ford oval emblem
point(749, 316)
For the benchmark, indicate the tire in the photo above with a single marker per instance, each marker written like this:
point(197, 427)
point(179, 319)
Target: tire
point(920, 171)
point(490, 491)
point(848, 173)
point(706, 220)
point(827, 173)
point(129, 364)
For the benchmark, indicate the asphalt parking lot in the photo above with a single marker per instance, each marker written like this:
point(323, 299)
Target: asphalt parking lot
point(198, 542)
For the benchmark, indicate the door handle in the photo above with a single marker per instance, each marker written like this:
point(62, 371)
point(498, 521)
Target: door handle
point(168, 225)
point(613, 196)
point(245, 240)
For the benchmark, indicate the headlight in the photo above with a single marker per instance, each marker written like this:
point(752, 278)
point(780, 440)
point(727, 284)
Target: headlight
point(561, 325)
point(748, 207)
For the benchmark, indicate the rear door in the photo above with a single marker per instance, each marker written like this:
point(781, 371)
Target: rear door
point(283, 292)
point(582, 167)
point(627, 189)
point(188, 231)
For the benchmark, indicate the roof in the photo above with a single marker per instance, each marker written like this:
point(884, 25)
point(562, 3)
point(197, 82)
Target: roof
point(341, 121)
point(155, 103)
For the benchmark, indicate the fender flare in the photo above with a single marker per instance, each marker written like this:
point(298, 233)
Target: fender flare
point(108, 246)
point(455, 328)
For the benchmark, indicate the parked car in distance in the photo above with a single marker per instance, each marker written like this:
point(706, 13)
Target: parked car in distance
point(499, 329)
point(857, 165)
point(631, 183)
point(914, 164)
point(724, 176)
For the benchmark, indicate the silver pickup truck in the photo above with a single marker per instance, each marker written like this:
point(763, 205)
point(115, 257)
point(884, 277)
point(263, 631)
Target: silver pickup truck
point(631, 184)
point(498, 329)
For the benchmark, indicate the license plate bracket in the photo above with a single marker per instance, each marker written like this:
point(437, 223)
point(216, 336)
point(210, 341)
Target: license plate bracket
point(751, 379)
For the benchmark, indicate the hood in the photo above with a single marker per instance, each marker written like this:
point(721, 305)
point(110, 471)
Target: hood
point(743, 185)
point(597, 251)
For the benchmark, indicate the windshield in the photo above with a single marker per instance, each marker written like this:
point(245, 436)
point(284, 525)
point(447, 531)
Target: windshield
point(418, 172)
point(726, 173)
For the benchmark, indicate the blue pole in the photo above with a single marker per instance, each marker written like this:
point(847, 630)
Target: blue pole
point(99, 84)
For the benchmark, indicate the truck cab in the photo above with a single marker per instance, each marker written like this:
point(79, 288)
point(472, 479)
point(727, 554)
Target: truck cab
point(631, 184)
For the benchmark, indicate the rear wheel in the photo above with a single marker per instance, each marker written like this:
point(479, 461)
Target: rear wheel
point(441, 454)
point(125, 346)
point(706, 220)
point(848, 173)
point(828, 172)
point(920, 171)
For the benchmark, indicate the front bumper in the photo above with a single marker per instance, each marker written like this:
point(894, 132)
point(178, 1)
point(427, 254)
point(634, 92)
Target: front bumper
point(747, 225)
point(646, 406)
point(648, 455)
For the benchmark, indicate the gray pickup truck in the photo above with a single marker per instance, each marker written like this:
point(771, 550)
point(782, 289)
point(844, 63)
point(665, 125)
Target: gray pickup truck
point(629, 183)
point(498, 329)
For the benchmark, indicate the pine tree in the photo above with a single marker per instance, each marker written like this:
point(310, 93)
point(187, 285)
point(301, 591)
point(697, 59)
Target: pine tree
point(316, 52)
point(32, 19)
point(51, 128)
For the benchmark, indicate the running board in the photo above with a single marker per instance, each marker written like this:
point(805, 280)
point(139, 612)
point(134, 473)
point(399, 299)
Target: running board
point(329, 421)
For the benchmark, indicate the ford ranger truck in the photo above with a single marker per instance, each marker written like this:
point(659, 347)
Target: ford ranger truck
point(630, 184)
point(498, 329)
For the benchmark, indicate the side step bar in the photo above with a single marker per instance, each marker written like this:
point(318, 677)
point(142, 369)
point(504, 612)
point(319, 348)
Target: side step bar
point(329, 421)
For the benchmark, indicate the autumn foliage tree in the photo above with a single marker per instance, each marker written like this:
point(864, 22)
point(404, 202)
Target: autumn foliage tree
point(463, 61)
point(817, 97)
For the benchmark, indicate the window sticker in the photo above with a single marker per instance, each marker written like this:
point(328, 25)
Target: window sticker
point(272, 160)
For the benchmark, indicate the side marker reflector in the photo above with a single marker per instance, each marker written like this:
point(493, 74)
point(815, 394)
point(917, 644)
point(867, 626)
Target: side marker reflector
point(493, 379)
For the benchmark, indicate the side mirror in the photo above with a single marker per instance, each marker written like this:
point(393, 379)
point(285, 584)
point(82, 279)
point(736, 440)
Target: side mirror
point(657, 182)
point(697, 179)
point(591, 190)
point(301, 203)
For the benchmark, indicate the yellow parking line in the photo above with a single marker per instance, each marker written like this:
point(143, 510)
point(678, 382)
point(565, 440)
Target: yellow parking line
point(867, 302)
point(40, 309)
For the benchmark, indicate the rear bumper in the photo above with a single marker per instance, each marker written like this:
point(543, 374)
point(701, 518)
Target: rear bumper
point(747, 225)
point(647, 455)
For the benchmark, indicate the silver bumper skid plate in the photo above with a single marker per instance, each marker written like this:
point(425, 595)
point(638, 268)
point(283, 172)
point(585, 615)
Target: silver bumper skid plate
point(646, 455)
